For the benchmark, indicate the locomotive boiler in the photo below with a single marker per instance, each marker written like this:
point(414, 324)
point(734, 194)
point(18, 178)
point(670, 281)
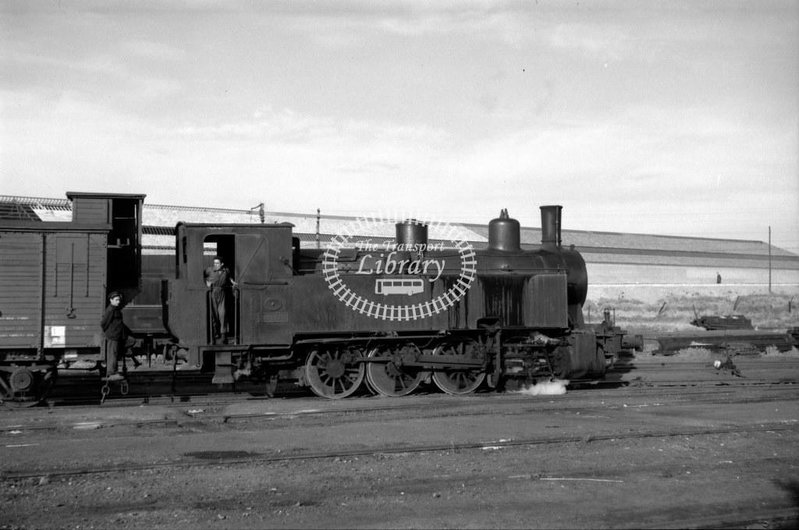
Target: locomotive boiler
point(387, 315)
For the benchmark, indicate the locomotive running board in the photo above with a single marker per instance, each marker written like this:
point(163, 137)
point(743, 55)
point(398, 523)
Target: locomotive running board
point(378, 338)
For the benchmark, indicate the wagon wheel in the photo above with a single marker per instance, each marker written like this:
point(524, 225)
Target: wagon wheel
point(25, 387)
point(335, 372)
point(392, 378)
point(458, 382)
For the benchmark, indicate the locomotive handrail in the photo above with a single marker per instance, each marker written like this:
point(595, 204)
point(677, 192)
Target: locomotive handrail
point(403, 338)
point(277, 282)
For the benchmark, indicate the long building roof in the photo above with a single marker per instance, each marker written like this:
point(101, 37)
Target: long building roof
point(159, 222)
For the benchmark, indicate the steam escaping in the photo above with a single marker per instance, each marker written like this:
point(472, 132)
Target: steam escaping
point(546, 388)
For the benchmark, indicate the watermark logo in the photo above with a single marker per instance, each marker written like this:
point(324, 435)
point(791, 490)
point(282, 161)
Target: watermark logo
point(388, 272)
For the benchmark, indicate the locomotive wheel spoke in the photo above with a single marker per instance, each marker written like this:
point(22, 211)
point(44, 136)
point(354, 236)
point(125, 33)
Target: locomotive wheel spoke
point(334, 373)
point(391, 378)
point(458, 382)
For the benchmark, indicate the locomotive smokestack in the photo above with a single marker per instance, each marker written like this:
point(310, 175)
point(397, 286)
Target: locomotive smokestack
point(550, 226)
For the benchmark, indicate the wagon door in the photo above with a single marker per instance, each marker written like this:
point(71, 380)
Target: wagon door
point(22, 295)
point(264, 276)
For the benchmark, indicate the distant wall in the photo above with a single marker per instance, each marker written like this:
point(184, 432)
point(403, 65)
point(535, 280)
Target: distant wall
point(651, 283)
point(653, 293)
point(613, 273)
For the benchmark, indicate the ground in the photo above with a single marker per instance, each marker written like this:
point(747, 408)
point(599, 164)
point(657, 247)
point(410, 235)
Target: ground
point(644, 454)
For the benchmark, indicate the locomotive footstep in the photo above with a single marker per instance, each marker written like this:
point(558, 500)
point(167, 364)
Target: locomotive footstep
point(122, 385)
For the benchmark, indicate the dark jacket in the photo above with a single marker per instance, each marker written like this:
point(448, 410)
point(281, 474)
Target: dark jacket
point(220, 283)
point(219, 280)
point(113, 327)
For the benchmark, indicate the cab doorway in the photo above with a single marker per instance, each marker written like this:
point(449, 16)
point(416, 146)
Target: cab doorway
point(222, 308)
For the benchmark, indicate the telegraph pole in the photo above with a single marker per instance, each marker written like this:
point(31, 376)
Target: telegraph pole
point(318, 215)
point(769, 259)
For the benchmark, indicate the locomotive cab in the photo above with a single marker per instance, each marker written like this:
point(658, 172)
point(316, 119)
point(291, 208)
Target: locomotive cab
point(260, 260)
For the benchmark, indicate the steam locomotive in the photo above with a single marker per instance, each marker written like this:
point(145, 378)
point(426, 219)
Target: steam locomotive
point(393, 314)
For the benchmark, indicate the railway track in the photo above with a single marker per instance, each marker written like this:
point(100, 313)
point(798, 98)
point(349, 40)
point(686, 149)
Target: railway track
point(243, 458)
point(226, 407)
point(231, 409)
point(777, 518)
point(778, 515)
point(194, 387)
point(215, 408)
point(292, 439)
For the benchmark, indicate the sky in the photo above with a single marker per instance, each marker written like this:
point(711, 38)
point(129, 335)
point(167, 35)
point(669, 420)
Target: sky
point(656, 117)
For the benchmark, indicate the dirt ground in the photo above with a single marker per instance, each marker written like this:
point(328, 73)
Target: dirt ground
point(600, 458)
point(604, 484)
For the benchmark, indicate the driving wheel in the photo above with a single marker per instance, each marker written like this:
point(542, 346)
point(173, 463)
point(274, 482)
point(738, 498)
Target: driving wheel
point(335, 372)
point(391, 378)
point(455, 381)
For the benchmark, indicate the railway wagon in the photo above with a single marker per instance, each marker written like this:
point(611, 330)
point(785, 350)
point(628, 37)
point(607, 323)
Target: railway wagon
point(408, 312)
point(54, 278)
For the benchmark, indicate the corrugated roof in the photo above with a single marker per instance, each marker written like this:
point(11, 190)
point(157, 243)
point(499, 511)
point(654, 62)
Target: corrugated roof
point(590, 239)
point(34, 209)
point(162, 215)
point(159, 222)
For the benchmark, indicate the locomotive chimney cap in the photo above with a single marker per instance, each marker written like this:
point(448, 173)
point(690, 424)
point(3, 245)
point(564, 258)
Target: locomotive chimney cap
point(551, 226)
